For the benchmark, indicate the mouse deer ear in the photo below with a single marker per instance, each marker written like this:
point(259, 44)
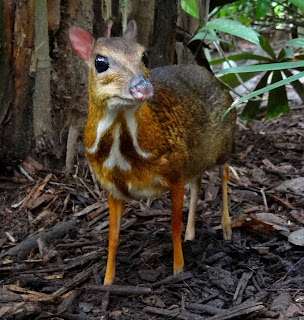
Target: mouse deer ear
point(81, 42)
point(131, 31)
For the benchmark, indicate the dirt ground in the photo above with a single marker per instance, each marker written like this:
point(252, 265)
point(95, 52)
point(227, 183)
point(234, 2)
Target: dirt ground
point(53, 241)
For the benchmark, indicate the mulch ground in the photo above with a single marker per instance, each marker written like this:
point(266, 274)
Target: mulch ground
point(53, 241)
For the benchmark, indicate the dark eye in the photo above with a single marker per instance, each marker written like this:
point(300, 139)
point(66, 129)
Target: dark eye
point(145, 59)
point(101, 64)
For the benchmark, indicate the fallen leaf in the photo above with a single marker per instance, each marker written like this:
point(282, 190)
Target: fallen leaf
point(86, 307)
point(116, 313)
point(211, 192)
point(297, 237)
point(271, 219)
point(258, 175)
point(296, 185)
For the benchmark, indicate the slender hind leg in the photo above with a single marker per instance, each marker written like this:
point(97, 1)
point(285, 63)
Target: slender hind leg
point(194, 192)
point(116, 209)
point(226, 222)
point(177, 199)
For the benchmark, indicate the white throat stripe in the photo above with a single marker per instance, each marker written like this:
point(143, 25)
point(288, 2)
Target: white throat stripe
point(103, 125)
point(132, 126)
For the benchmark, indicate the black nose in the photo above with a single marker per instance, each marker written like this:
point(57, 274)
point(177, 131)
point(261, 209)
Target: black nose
point(140, 88)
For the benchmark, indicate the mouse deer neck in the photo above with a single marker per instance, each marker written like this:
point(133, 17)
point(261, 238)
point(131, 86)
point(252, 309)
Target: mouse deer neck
point(118, 122)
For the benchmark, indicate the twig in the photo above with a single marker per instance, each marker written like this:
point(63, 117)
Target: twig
point(238, 295)
point(203, 308)
point(96, 186)
point(67, 302)
point(30, 295)
point(174, 279)
point(90, 191)
point(26, 309)
point(79, 278)
point(25, 173)
point(90, 208)
point(246, 307)
point(22, 249)
point(176, 313)
point(264, 199)
point(28, 197)
point(121, 290)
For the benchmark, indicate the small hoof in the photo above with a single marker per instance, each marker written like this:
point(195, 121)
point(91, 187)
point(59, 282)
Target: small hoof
point(227, 232)
point(178, 270)
point(189, 237)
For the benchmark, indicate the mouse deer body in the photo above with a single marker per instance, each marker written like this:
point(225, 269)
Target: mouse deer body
point(145, 137)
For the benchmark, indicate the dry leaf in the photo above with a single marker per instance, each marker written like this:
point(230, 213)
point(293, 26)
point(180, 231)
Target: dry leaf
point(297, 237)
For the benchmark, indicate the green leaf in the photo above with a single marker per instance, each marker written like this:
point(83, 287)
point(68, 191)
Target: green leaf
point(262, 8)
point(241, 56)
point(289, 53)
point(298, 42)
point(297, 85)
point(277, 98)
point(231, 81)
point(233, 27)
point(298, 3)
point(206, 36)
point(252, 107)
point(265, 45)
point(285, 54)
point(190, 7)
point(263, 90)
point(263, 67)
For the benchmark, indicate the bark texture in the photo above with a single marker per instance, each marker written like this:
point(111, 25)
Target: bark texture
point(42, 93)
point(163, 46)
point(142, 11)
point(16, 127)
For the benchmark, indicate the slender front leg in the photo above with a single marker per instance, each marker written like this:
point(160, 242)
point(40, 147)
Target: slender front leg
point(194, 191)
point(177, 199)
point(116, 209)
point(226, 222)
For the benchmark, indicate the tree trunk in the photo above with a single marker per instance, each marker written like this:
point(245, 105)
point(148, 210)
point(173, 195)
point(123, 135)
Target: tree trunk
point(4, 68)
point(142, 11)
point(16, 127)
point(163, 46)
point(69, 76)
point(42, 94)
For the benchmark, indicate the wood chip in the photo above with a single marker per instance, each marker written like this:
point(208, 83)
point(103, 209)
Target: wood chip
point(91, 208)
point(30, 295)
point(121, 290)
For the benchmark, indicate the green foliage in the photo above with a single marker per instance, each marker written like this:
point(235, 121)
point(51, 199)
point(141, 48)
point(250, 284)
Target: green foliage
point(278, 69)
point(298, 42)
point(262, 8)
point(282, 64)
point(263, 13)
point(203, 35)
point(256, 93)
point(190, 7)
point(241, 11)
point(298, 3)
point(232, 27)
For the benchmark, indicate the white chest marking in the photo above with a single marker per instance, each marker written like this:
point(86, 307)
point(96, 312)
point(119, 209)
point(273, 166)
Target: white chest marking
point(115, 158)
point(132, 126)
point(103, 125)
